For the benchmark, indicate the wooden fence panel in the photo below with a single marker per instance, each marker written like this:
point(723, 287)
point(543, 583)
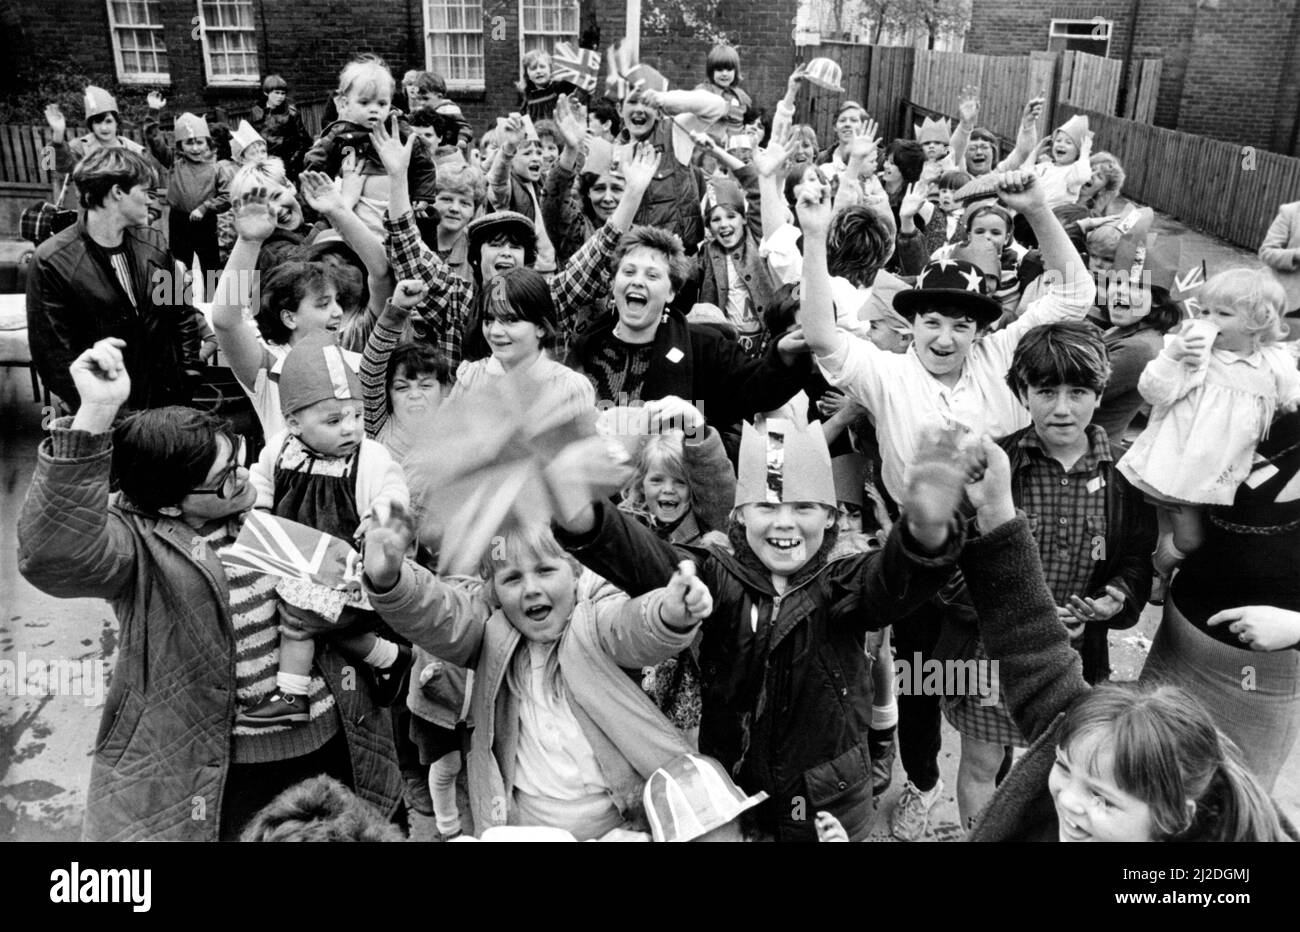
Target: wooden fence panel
point(1214, 186)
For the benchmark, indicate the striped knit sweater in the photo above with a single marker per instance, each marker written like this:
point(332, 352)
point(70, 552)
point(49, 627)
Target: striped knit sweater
point(257, 660)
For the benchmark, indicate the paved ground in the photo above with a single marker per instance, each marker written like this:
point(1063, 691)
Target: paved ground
point(45, 740)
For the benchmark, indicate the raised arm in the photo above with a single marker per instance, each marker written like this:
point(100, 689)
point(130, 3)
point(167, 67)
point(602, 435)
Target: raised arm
point(70, 542)
point(383, 339)
point(1026, 138)
point(768, 163)
point(153, 134)
point(254, 222)
point(816, 305)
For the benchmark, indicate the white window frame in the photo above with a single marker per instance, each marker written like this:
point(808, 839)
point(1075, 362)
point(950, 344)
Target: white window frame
point(253, 79)
point(1108, 25)
point(551, 36)
point(470, 13)
point(140, 77)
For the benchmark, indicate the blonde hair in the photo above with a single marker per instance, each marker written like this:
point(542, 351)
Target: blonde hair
point(532, 542)
point(265, 172)
point(1255, 295)
point(531, 57)
point(663, 451)
point(365, 74)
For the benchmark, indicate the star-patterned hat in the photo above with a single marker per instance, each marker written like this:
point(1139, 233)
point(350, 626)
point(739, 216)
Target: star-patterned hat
point(954, 287)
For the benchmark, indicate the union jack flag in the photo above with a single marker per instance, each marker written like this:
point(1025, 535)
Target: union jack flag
point(279, 547)
point(580, 67)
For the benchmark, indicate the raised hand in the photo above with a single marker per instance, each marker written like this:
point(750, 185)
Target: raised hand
point(1021, 191)
point(968, 105)
point(1039, 151)
point(512, 133)
point(1033, 109)
point(392, 153)
point(915, 196)
point(386, 545)
point(813, 205)
point(256, 212)
point(865, 144)
point(571, 127)
point(155, 100)
point(100, 375)
point(673, 413)
point(409, 293)
point(640, 170)
point(321, 193)
point(934, 483)
point(768, 161)
point(990, 490)
point(55, 118)
point(686, 599)
point(797, 76)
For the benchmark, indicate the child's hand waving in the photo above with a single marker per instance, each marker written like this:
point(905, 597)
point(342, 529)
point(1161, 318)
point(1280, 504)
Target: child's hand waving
point(686, 599)
point(768, 161)
point(640, 170)
point(255, 215)
point(320, 193)
point(155, 100)
point(55, 118)
point(394, 154)
point(387, 541)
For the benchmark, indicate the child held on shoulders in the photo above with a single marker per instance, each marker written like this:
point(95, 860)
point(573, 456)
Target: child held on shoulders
point(1214, 391)
point(322, 472)
point(723, 70)
point(365, 100)
point(1067, 165)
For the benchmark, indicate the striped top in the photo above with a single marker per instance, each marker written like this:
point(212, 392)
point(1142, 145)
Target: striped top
point(257, 660)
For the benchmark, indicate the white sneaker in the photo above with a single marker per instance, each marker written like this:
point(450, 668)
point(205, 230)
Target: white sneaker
point(912, 815)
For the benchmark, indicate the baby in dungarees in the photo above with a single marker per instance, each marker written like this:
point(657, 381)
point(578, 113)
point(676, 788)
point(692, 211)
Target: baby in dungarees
point(323, 472)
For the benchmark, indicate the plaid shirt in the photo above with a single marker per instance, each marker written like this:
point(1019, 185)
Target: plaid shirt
point(1067, 511)
point(446, 309)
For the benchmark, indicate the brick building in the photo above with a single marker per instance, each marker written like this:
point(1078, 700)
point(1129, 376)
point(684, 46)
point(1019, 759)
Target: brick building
point(208, 53)
point(1231, 67)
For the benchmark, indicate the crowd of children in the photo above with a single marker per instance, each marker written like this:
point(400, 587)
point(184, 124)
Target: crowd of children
point(851, 399)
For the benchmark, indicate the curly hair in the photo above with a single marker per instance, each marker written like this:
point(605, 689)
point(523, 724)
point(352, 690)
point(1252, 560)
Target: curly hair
point(858, 245)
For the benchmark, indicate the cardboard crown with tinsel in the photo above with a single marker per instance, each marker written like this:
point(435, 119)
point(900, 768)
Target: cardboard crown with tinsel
point(930, 130)
point(784, 458)
point(189, 126)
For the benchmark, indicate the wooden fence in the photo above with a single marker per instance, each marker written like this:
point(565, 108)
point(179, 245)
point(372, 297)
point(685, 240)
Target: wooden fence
point(22, 146)
point(878, 77)
point(1224, 189)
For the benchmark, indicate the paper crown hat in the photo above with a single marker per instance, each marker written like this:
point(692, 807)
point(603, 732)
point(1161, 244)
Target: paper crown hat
point(243, 137)
point(849, 470)
point(1076, 127)
point(933, 131)
point(784, 459)
point(691, 796)
point(721, 191)
point(189, 126)
point(315, 370)
point(1160, 261)
point(99, 101)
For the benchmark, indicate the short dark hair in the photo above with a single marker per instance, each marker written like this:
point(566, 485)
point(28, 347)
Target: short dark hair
point(858, 245)
point(283, 289)
point(273, 82)
point(1165, 312)
point(908, 156)
point(605, 110)
point(529, 298)
point(98, 173)
point(161, 455)
point(953, 180)
point(659, 240)
point(416, 358)
point(320, 809)
point(486, 235)
point(1065, 353)
point(351, 278)
point(430, 82)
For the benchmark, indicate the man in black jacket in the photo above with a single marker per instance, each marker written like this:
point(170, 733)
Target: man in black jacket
point(111, 275)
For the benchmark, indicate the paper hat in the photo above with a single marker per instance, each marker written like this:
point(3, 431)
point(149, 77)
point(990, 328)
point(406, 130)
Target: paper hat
point(1076, 127)
point(933, 131)
point(99, 101)
point(784, 459)
point(315, 370)
point(600, 158)
point(880, 305)
point(243, 137)
point(950, 284)
point(189, 126)
point(691, 796)
point(721, 191)
point(848, 470)
point(825, 73)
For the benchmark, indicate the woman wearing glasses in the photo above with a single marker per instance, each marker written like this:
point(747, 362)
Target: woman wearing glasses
point(168, 761)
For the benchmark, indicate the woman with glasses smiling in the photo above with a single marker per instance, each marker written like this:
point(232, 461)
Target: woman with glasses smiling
point(168, 746)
